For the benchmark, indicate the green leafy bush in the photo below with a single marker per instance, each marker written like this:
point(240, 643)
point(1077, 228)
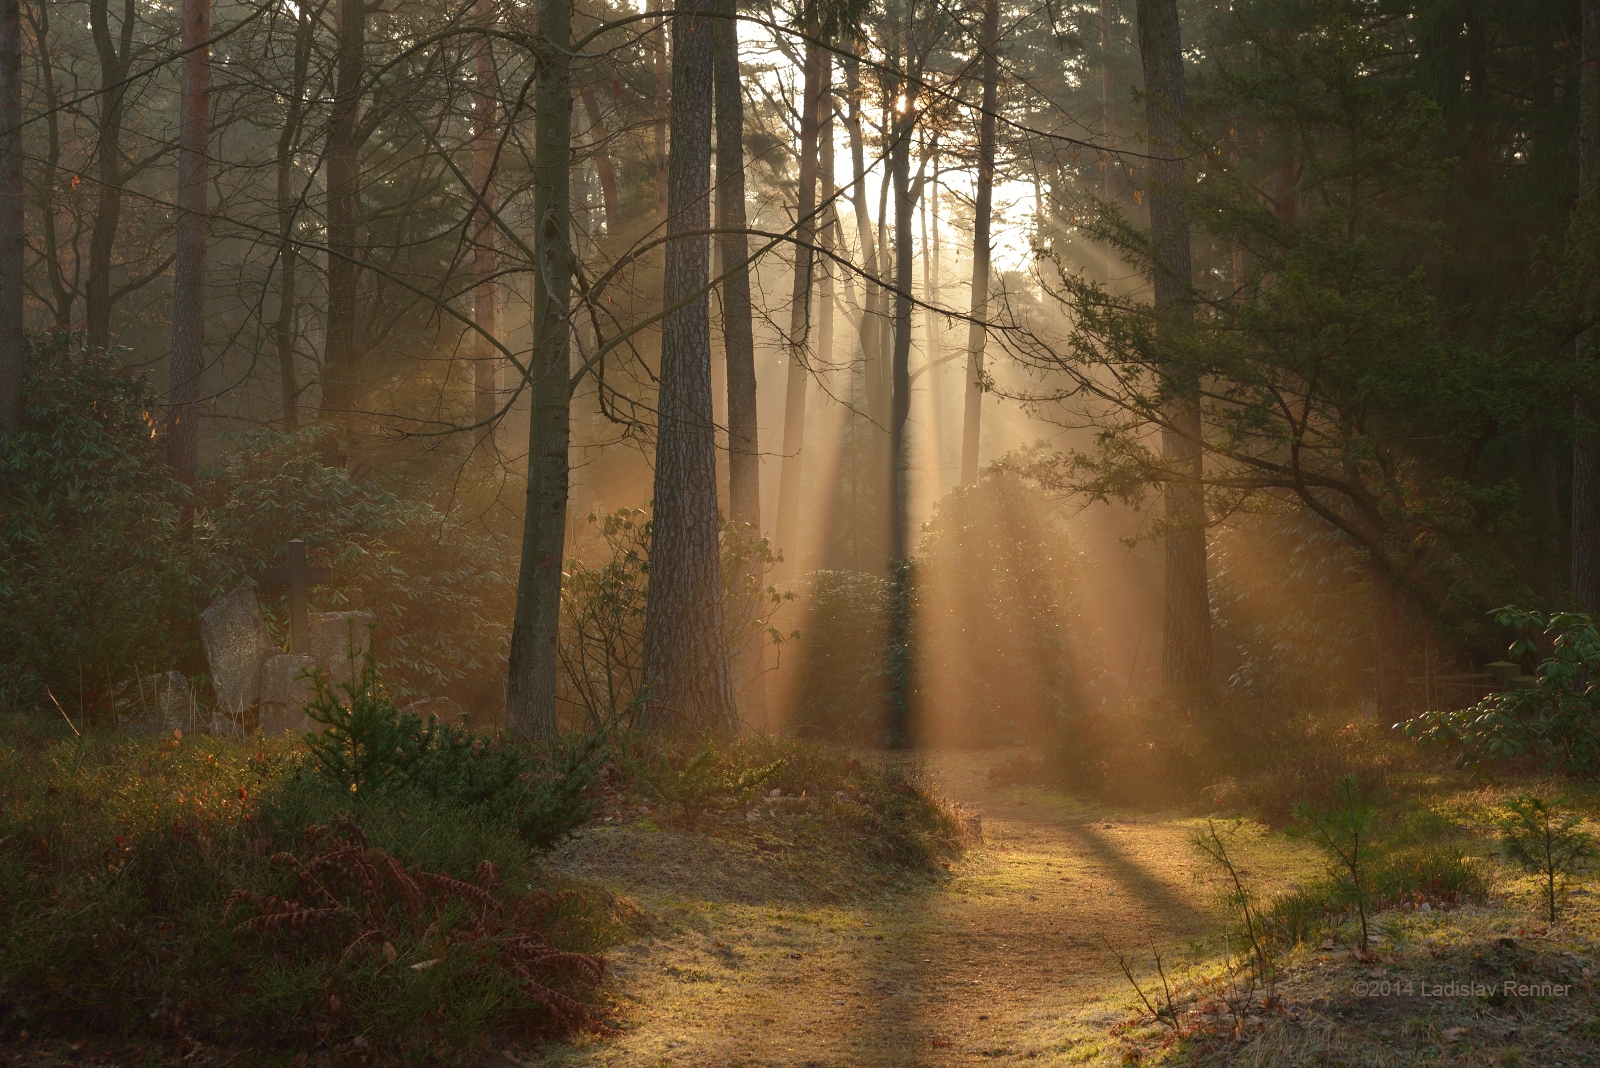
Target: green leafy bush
point(372, 751)
point(173, 875)
point(842, 657)
point(440, 582)
point(1557, 720)
point(693, 782)
point(98, 578)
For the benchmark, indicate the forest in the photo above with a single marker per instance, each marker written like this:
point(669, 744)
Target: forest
point(843, 532)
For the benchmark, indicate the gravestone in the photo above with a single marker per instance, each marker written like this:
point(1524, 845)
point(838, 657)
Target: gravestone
point(236, 642)
point(157, 705)
point(340, 642)
point(285, 689)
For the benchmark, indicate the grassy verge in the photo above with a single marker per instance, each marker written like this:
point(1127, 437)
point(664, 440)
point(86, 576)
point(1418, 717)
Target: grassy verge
point(202, 893)
point(1457, 964)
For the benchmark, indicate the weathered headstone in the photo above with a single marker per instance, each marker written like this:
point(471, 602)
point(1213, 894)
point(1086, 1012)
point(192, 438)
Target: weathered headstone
point(285, 689)
point(340, 642)
point(156, 705)
point(236, 642)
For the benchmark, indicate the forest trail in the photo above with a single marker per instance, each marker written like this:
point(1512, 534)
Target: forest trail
point(1004, 960)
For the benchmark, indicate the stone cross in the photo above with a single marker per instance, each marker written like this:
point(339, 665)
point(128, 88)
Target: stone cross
point(299, 579)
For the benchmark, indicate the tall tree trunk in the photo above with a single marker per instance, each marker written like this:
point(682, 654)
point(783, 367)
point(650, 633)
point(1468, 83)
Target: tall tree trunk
point(1186, 627)
point(930, 330)
point(658, 59)
point(531, 679)
point(827, 227)
point(189, 265)
point(486, 362)
point(872, 291)
point(739, 350)
point(342, 358)
point(287, 327)
point(818, 65)
point(936, 330)
point(113, 59)
point(62, 295)
point(1584, 526)
point(602, 161)
point(900, 637)
point(685, 658)
point(11, 231)
point(976, 334)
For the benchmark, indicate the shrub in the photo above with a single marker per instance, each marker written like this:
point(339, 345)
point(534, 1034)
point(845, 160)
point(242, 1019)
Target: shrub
point(1000, 640)
point(97, 575)
point(440, 583)
point(371, 751)
point(119, 864)
point(842, 661)
point(1556, 721)
point(601, 649)
point(1543, 840)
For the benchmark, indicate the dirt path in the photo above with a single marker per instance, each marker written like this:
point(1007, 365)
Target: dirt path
point(1004, 960)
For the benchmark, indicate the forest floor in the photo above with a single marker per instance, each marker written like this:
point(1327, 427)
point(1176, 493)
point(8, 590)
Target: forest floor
point(1009, 956)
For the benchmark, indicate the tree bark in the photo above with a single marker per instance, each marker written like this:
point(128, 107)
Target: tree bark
point(686, 663)
point(1186, 624)
point(342, 358)
point(485, 317)
point(1584, 448)
point(113, 58)
point(287, 326)
point(535, 630)
point(818, 66)
point(602, 161)
point(738, 342)
point(12, 341)
point(976, 334)
point(658, 56)
point(189, 264)
point(900, 637)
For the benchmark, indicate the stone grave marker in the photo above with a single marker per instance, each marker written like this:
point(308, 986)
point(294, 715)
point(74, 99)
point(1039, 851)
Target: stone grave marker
point(236, 642)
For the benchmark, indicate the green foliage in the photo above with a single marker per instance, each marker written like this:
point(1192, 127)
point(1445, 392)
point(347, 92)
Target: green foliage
point(97, 578)
point(1540, 838)
point(1001, 641)
point(440, 582)
point(601, 650)
point(118, 868)
point(842, 660)
point(1344, 833)
point(693, 782)
point(1557, 720)
point(372, 751)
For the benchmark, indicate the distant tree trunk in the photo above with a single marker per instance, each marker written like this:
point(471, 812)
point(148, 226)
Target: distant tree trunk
point(1186, 629)
point(486, 362)
point(685, 658)
point(1584, 526)
point(738, 341)
point(827, 226)
point(531, 678)
point(905, 198)
point(658, 59)
point(287, 327)
point(113, 58)
point(930, 325)
point(1108, 90)
point(12, 342)
point(602, 161)
point(189, 265)
point(62, 293)
point(1391, 643)
point(818, 66)
point(976, 334)
point(342, 358)
point(872, 291)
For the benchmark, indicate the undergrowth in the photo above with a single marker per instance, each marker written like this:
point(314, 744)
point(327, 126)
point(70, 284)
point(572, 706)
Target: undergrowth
point(220, 891)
